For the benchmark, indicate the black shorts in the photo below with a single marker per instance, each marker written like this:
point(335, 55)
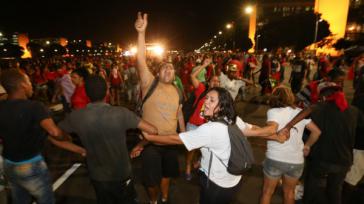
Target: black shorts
point(159, 162)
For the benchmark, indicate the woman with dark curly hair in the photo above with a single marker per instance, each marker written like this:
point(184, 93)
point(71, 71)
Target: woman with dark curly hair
point(213, 137)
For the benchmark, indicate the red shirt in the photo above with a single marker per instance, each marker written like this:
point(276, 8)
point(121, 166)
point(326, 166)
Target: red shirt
point(50, 75)
point(79, 98)
point(197, 116)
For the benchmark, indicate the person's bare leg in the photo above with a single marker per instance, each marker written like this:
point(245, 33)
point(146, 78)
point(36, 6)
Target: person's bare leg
point(289, 185)
point(153, 194)
point(165, 188)
point(268, 189)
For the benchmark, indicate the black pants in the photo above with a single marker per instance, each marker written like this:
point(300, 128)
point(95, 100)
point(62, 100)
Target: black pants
point(110, 192)
point(323, 183)
point(214, 194)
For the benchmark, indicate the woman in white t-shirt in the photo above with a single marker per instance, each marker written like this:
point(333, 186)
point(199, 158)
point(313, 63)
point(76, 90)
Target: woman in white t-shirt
point(213, 137)
point(287, 159)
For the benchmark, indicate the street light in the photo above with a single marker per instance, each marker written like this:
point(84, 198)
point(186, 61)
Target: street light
point(257, 43)
point(215, 36)
point(252, 12)
point(318, 20)
point(220, 32)
point(231, 26)
point(248, 9)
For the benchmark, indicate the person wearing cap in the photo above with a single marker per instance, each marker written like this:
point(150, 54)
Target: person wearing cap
point(231, 82)
point(331, 156)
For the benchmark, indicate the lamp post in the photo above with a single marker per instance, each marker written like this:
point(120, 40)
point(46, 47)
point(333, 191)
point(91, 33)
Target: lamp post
point(257, 43)
point(230, 26)
point(252, 12)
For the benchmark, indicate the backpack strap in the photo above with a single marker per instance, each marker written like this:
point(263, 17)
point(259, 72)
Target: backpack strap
point(209, 169)
point(150, 90)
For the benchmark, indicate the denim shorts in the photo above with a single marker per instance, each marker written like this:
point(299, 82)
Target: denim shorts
point(276, 169)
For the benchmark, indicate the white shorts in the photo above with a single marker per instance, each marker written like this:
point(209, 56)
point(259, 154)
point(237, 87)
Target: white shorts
point(356, 172)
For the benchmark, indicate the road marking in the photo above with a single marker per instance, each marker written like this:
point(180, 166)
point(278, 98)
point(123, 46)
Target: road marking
point(65, 176)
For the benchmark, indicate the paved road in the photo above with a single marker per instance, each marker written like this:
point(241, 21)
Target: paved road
point(77, 187)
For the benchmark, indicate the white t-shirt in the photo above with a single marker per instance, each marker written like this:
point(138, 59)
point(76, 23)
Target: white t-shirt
point(232, 86)
point(214, 136)
point(290, 151)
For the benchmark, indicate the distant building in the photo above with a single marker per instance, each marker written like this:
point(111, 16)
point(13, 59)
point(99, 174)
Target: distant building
point(272, 9)
point(355, 26)
point(48, 41)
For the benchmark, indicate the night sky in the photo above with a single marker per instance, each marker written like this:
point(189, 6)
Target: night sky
point(179, 24)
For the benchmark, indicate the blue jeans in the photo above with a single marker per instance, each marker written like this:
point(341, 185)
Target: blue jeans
point(29, 179)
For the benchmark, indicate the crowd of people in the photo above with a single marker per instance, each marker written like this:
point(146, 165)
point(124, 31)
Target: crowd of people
point(182, 99)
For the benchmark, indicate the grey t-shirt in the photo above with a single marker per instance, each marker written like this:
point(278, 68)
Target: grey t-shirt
point(102, 130)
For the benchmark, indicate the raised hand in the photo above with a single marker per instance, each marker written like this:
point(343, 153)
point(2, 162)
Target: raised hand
point(207, 61)
point(141, 22)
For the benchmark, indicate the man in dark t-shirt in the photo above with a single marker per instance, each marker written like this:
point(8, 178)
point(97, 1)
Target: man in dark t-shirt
point(331, 156)
point(298, 73)
point(24, 125)
point(102, 130)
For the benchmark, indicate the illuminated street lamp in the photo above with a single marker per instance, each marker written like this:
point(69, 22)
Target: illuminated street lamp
point(47, 42)
point(220, 32)
point(252, 12)
point(248, 9)
point(1, 34)
point(229, 26)
point(215, 36)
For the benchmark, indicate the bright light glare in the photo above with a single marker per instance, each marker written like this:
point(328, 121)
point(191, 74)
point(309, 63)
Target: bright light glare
point(351, 28)
point(1, 34)
point(228, 26)
point(133, 51)
point(220, 32)
point(156, 50)
point(47, 42)
point(248, 10)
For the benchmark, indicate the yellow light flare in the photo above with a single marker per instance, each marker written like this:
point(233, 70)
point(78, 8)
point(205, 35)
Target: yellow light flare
point(335, 12)
point(63, 42)
point(252, 25)
point(23, 40)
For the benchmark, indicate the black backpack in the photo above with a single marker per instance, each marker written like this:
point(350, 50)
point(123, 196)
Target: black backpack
point(189, 106)
point(241, 155)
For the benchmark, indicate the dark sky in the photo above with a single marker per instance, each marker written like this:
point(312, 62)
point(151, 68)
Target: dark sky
point(180, 24)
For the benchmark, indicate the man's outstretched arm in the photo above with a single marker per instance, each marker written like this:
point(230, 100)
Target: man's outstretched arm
point(146, 77)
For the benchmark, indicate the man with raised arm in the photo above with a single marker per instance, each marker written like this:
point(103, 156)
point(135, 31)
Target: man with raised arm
point(163, 110)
